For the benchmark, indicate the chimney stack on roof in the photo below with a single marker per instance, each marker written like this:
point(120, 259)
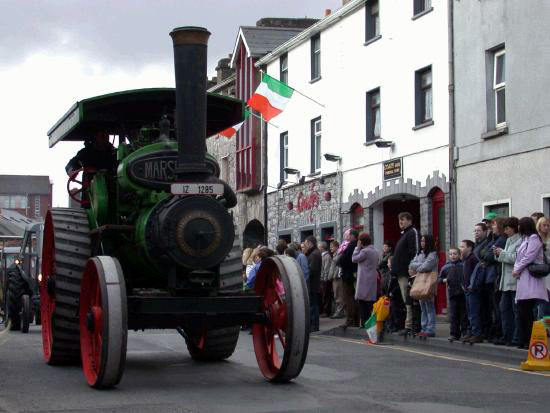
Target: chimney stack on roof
point(328, 12)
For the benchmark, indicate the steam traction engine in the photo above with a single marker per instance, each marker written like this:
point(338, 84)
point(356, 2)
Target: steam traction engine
point(153, 249)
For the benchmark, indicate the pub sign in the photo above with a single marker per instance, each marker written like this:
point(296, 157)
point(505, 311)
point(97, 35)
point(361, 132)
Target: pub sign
point(393, 168)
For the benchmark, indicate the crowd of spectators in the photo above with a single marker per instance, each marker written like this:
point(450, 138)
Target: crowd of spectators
point(492, 294)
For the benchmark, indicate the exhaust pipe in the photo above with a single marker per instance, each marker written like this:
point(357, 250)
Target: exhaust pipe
point(190, 46)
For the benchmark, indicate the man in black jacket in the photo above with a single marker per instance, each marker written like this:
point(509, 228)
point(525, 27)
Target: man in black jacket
point(315, 261)
point(406, 249)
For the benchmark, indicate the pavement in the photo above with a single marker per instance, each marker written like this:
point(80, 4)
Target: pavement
point(341, 374)
point(440, 343)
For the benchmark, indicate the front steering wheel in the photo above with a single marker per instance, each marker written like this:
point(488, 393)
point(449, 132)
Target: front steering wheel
point(73, 193)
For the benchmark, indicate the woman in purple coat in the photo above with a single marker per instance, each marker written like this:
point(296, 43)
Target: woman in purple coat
point(366, 257)
point(529, 289)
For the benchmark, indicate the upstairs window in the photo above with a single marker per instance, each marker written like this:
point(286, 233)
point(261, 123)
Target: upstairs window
point(283, 156)
point(423, 96)
point(372, 20)
point(499, 87)
point(316, 57)
point(421, 6)
point(373, 115)
point(283, 75)
point(316, 145)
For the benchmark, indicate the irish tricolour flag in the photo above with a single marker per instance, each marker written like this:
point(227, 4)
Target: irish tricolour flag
point(271, 97)
point(232, 131)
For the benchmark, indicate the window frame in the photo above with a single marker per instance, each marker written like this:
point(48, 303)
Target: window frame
point(315, 57)
point(316, 142)
point(485, 206)
point(499, 87)
point(283, 69)
point(372, 29)
point(283, 153)
point(370, 114)
point(420, 93)
point(421, 7)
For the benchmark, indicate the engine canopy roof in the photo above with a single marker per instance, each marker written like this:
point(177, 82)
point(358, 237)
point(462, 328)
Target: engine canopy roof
point(131, 109)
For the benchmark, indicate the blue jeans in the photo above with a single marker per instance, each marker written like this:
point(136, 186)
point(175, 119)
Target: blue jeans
point(427, 319)
point(510, 317)
point(473, 301)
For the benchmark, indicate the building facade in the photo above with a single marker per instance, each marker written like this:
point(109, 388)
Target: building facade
point(30, 196)
point(379, 132)
point(502, 109)
point(240, 157)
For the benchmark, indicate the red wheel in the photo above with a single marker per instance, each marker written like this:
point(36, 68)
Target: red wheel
point(66, 247)
point(73, 193)
point(281, 343)
point(103, 322)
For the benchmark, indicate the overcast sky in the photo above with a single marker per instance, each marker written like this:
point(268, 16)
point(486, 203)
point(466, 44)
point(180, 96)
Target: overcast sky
point(55, 52)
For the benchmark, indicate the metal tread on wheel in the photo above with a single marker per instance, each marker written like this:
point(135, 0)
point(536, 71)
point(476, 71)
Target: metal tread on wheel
point(66, 249)
point(231, 269)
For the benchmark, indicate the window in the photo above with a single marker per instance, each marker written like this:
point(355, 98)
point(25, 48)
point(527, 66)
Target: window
point(421, 6)
point(357, 217)
point(499, 87)
point(316, 57)
point(372, 20)
point(283, 75)
point(225, 169)
point(423, 96)
point(4, 201)
point(284, 156)
point(501, 207)
point(373, 115)
point(315, 144)
point(37, 206)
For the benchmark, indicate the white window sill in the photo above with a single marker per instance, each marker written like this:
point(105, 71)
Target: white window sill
point(423, 125)
point(315, 79)
point(372, 40)
point(422, 13)
point(501, 130)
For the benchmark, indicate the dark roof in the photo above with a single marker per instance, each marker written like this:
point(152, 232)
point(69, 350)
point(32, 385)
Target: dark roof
point(24, 184)
point(12, 222)
point(262, 40)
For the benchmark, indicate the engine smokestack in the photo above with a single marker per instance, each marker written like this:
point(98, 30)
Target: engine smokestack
point(190, 46)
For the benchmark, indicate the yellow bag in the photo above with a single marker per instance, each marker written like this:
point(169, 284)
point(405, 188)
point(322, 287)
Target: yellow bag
point(382, 308)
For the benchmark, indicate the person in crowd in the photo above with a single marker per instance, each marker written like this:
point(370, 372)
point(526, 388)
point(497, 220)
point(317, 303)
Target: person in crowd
point(383, 267)
point(482, 250)
point(397, 307)
point(290, 252)
point(261, 254)
point(302, 261)
point(349, 271)
point(535, 216)
point(452, 274)
point(366, 258)
point(543, 228)
point(337, 287)
point(326, 280)
point(315, 262)
point(281, 247)
point(529, 289)
point(406, 249)
point(248, 263)
point(492, 278)
point(507, 286)
point(469, 264)
point(425, 262)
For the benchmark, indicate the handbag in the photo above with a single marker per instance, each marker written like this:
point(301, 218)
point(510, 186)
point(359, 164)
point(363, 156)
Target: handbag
point(540, 270)
point(424, 286)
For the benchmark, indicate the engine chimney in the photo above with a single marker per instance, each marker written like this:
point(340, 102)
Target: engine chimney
point(190, 45)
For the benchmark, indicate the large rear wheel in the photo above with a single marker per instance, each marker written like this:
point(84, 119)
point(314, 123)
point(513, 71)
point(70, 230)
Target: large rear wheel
point(103, 322)
point(281, 342)
point(66, 247)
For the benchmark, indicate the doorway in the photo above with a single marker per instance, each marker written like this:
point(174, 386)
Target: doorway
point(253, 234)
point(439, 233)
point(392, 208)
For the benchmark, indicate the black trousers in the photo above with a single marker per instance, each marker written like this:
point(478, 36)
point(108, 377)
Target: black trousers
point(526, 317)
point(365, 310)
point(458, 316)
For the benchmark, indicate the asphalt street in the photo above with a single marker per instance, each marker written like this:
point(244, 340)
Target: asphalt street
point(340, 375)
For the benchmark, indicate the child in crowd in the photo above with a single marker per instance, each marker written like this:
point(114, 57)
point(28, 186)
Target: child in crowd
point(469, 262)
point(452, 274)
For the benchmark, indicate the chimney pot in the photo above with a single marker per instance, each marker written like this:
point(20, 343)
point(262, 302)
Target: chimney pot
point(328, 12)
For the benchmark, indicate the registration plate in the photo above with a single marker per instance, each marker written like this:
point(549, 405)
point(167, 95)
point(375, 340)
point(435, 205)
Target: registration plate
point(197, 189)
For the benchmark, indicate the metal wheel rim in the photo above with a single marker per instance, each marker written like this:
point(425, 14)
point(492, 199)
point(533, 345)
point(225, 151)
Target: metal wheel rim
point(103, 322)
point(47, 303)
point(286, 305)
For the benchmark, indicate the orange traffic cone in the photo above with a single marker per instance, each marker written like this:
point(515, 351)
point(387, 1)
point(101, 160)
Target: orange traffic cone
point(537, 358)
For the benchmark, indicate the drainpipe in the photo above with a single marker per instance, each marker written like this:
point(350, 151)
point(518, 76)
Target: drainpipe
point(452, 171)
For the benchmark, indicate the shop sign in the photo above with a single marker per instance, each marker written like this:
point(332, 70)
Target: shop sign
point(393, 168)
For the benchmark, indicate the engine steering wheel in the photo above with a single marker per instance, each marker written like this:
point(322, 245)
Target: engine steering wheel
point(83, 184)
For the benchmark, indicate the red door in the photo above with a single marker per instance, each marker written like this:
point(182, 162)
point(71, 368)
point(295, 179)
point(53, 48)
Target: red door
point(438, 216)
point(392, 209)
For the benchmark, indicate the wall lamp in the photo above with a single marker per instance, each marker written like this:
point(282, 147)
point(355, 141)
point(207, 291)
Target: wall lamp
point(292, 171)
point(384, 144)
point(332, 158)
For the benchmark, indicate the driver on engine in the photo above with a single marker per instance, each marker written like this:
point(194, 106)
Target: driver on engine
point(98, 153)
